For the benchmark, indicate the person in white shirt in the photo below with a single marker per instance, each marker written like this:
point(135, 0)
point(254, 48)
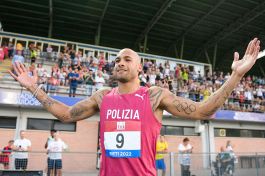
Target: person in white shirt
point(55, 149)
point(21, 148)
point(185, 149)
point(229, 146)
point(99, 81)
point(49, 52)
point(49, 140)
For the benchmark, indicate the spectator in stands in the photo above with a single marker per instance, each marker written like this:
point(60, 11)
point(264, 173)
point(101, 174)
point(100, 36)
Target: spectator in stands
point(94, 64)
point(206, 92)
point(167, 70)
point(161, 149)
point(2, 54)
point(89, 80)
point(99, 81)
point(11, 49)
point(86, 61)
point(5, 154)
point(178, 74)
point(18, 57)
point(49, 52)
point(53, 81)
point(249, 97)
point(21, 148)
point(185, 76)
point(73, 82)
point(185, 150)
point(75, 61)
point(81, 73)
point(60, 59)
point(62, 77)
point(33, 53)
point(55, 149)
point(65, 49)
point(31, 70)
point(40, 72)
point(101, 60)
point(105, 75)
point(66, 60)
point(72, 54)
point(38, 49)
point(5, 48)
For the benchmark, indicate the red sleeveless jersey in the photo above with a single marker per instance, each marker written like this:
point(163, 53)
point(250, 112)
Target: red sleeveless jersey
point(128, 132)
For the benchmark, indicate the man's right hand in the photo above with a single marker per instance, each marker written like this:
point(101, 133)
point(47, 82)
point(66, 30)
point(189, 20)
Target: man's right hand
point(22, 75)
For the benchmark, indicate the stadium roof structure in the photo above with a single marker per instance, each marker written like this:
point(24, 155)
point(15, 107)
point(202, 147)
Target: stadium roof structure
point(200, 30)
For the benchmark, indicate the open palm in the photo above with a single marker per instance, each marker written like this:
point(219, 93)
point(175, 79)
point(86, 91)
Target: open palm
point(23, 76)
point(245, 64)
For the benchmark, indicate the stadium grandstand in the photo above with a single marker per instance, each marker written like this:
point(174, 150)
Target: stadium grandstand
point(186, 47)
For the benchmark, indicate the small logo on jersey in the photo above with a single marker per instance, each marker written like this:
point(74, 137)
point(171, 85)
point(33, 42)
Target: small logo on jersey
point(120, 125)
point(141, 96)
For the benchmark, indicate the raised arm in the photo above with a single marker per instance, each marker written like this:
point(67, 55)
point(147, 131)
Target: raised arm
point(182, 107)
point(83, 109)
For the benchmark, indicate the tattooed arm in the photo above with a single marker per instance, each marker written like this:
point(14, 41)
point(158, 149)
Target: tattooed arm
point(79, 111)
point(163, 99)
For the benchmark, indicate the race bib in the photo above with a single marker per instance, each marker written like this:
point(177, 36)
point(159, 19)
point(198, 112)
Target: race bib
point(122, 139)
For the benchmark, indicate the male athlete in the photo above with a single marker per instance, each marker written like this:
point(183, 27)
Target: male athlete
point(131, 115)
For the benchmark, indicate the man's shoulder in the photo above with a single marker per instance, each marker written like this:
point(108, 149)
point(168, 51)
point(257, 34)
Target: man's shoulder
point(104, 91)
point(99, 94)
point(154, 89)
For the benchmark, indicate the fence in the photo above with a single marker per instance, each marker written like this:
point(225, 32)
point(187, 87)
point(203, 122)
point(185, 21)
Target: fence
point(83, 164)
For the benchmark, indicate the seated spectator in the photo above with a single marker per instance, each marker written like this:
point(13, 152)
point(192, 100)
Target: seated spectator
point(18, 57)
point(52, 85)
point(53, 81)
point(40, 72)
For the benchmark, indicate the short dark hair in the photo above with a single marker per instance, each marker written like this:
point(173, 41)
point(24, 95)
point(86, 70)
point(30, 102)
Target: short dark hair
point(186, 140)
point(53, 130)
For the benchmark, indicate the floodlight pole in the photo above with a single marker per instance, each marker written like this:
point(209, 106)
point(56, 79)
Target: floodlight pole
point(98, 34)
point(51, 19)
point(207, 56)
point(182, 47)
point(176, 51)
point(214, 55)
point(145, 43)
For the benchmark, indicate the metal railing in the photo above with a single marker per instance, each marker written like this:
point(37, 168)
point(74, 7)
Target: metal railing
point(87, 163)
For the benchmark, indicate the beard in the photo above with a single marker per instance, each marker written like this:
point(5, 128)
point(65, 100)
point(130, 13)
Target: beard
point(121, 79)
